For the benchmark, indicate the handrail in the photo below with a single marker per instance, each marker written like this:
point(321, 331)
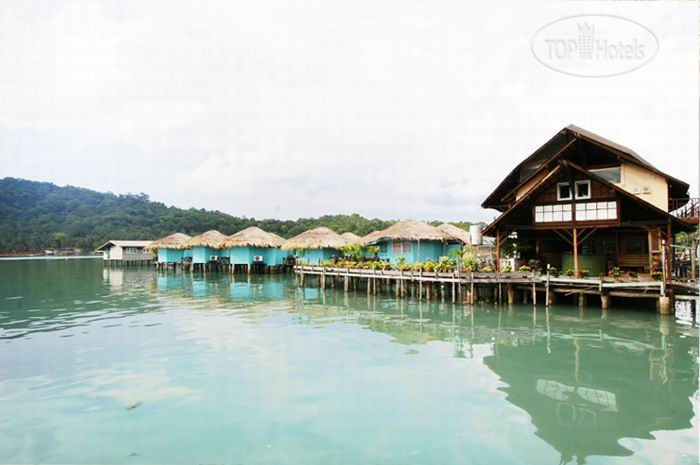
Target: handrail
point(685, 208)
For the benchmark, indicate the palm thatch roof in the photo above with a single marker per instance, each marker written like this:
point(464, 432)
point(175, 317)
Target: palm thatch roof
point(212, 238)
point(318, 238)
point(350, 237)
point(173, 241)
point(409, 230)
point(253, 237)
point(456, 231)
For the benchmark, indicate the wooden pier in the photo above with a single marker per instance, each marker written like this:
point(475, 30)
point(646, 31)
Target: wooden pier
point(467, 287)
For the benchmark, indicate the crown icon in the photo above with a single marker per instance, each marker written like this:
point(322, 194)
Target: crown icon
point(586, 28)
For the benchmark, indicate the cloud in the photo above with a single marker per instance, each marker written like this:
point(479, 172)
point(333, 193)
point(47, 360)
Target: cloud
point(276, 109)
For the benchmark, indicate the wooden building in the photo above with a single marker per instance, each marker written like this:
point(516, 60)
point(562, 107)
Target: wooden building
point(583, 202)
point(126, 252)
point(316, 245)
point(414, 240)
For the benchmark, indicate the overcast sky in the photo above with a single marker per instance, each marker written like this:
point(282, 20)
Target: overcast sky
point(286, 108)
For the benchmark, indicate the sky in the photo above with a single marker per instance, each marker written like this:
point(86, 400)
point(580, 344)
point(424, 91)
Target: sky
point(285, 109)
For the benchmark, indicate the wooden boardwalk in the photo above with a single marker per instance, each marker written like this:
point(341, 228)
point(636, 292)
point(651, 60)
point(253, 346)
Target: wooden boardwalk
point(498, 287)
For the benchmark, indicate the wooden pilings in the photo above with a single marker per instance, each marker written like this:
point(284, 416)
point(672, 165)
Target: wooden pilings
point(470, 288)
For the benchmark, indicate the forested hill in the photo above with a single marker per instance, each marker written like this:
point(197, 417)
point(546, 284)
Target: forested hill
point(39, 215)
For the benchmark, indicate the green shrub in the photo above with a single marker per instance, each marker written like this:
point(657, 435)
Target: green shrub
point(615, 272)
point(524, 269)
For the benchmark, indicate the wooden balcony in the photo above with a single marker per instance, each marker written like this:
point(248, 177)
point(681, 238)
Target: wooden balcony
point(687, 210)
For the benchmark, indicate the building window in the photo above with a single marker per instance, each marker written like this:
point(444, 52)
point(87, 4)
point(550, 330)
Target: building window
point(583, 189)
point(563, 191)
point(609, 174)
point(552, 213)
point(401, 247)
point(132, 250)
point(596, 211)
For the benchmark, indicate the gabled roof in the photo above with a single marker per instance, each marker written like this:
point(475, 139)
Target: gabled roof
point(124, 244)
point(561, 145)
point(552, 177)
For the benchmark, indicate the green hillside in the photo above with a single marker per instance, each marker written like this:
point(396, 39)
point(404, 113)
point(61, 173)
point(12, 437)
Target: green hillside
point(39, 215)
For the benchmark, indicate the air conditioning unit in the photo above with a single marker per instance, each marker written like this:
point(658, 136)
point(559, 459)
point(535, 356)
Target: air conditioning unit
point(257, 258)
point(636, 190)
point(646, 190)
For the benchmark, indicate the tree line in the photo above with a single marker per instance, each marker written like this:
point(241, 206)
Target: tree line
point(38, 215)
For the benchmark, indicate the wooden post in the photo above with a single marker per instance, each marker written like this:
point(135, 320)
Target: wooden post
point(472, 289)
point(576, 252)
point(498, 251)
point(510, 291)
point(693, 260)
point(534, 294)
point(420, 290)
point(546, 290)
point(669, 251)
point(604, 300)
point(650, 237)
point(581, 299)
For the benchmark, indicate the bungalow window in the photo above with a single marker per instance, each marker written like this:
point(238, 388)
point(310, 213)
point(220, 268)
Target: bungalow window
point(609, 174)
point(583, 189)
point(563, 191)
point(401, 247)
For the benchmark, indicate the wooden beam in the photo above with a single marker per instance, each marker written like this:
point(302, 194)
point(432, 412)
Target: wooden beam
point(563, 236)
point(587, 235)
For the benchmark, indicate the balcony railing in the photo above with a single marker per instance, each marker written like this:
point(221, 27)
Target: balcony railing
point(686, 209)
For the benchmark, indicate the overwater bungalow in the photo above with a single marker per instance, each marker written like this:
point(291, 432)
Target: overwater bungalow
point(253, 246)
point(414, 240)
point(350, 237)
point(126, 252)
point(171, 249)
point(463, 236)
point(206, 248)
point(583, 202)
point(316, 245)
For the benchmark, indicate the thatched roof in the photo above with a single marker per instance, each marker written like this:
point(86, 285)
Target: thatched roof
point(318, 238)
point(456, 231)
point(253, 237)
point(409, 230)
point(211, 238)
point(173, 241)
point(350, 237)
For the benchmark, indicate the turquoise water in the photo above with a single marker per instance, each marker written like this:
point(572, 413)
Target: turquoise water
point(130, 366)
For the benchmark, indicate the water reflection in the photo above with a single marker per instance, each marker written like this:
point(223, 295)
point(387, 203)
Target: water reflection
point(441, 374)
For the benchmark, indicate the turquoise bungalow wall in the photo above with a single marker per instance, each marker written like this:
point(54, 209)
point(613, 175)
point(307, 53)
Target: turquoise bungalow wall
point(275, 256)
point(315, 256)
point(429, 250)
point(244, 255)
point(204, 254)
point(170, 255)
point(449, 250)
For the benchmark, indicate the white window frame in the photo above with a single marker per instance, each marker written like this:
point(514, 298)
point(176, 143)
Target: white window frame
point(578, 183)
point(559, 197)
point(598, 170)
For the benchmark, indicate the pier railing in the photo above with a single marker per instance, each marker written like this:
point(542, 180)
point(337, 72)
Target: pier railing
point(685, 209)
